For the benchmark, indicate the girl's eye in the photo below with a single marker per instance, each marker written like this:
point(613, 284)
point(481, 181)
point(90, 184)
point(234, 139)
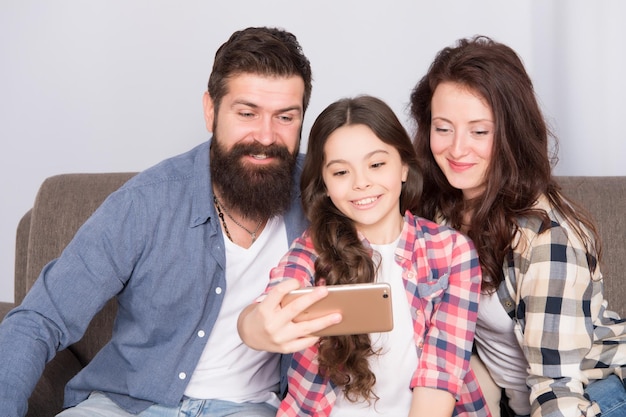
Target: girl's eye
point(339, 173)
point(378, 164)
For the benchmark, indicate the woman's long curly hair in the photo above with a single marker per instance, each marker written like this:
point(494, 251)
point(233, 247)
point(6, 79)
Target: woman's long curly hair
point(342, 258)
point(520, 168)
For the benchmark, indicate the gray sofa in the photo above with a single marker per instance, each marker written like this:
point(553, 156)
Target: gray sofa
point(65, 201)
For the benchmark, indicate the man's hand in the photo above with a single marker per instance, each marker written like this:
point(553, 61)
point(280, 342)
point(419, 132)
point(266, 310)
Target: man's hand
point(268, 326)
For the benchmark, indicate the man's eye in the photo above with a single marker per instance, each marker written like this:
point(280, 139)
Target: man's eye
point(285, 119)
point(246, 114)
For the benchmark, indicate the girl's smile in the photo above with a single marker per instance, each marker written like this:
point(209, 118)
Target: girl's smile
point(363, 177)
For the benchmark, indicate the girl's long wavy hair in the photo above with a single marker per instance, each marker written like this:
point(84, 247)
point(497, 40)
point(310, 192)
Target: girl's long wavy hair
point(521, 162)
point(342, 258)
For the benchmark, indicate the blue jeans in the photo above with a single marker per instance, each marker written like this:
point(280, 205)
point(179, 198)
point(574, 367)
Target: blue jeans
point(99, 405)
point(610, 394)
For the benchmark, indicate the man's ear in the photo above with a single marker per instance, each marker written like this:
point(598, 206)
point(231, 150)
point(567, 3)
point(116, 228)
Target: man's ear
point(209, 111)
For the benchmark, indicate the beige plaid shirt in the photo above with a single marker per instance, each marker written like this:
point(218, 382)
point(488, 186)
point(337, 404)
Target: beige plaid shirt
point(564, 328)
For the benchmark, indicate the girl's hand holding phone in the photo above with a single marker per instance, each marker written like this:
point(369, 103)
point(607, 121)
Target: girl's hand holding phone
point(269, 326)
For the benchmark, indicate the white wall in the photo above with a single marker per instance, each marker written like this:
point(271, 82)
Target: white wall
point(116, 85)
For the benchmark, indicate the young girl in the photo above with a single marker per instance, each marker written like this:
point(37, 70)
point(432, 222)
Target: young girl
point(359, 184)
point(543, 331)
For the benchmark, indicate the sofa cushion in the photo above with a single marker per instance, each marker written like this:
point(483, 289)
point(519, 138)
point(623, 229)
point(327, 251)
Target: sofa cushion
point(47, 398)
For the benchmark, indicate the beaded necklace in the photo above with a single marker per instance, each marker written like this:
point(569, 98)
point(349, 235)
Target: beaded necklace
point(220, 212)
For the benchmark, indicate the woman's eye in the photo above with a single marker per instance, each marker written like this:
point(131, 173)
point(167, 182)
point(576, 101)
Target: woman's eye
point(377, 164)
point(481, 132)
point(442, 130)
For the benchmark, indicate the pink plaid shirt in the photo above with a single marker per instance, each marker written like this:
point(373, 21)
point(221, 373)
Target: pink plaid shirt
point(442, 276)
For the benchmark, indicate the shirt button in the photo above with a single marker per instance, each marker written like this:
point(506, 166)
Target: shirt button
point(182, 375)
point(201, 333)
point(218, 290)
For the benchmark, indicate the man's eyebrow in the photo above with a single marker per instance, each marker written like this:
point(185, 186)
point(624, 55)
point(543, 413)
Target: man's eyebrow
point(244, 103)
point(290, 108)
point(297, 108)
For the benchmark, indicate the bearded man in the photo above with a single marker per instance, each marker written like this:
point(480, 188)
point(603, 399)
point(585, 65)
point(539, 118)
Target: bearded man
point(183, 246)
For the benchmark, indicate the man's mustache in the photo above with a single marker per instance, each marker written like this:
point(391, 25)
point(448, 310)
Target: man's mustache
point(273, 151)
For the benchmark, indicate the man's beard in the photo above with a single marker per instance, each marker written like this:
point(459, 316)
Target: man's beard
point(256, 192)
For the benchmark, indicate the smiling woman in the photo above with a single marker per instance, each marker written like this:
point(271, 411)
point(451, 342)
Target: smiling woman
point(461, 137)
point(544, 330)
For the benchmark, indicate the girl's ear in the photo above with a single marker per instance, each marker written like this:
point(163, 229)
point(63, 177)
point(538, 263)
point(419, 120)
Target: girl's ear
point(405, 172)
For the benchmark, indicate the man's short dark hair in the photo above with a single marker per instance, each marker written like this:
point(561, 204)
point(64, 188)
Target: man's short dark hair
point(263, 51)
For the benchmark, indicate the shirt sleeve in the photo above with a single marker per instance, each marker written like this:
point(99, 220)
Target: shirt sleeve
point(450, 309)
point(556, 290)
point(298, 263)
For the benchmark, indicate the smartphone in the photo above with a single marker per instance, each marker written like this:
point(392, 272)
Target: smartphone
point(365, 308)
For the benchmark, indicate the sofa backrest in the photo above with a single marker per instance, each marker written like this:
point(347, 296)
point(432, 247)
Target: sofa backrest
point(63, 203)
point(605, 199)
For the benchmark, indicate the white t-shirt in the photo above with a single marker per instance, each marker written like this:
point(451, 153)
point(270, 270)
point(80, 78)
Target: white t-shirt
point(397, 361)
point(500, 351)
point(227, 366)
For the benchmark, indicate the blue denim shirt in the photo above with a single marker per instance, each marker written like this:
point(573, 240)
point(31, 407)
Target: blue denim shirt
point(156, 245)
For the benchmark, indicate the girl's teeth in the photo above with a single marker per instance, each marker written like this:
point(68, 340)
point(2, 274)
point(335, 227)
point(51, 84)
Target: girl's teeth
point(365, 201)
